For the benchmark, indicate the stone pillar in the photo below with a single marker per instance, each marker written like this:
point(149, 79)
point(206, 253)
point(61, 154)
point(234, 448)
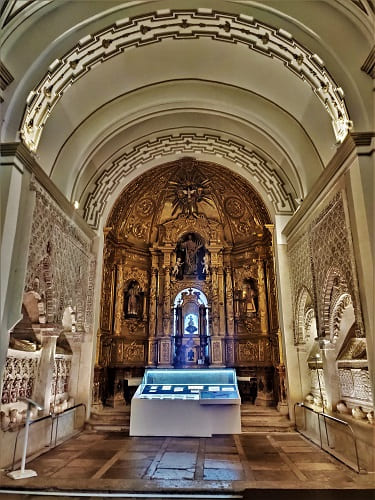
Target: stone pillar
point(359, 184)
point(290, 354)
point(43, 382)
point(119, 305)
point(17, 203)
point(262, 298)
point(75, 345)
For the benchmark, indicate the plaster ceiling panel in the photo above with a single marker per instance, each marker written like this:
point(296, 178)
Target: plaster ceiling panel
point(246, 108)
point(343, 42)
point(185, 124)
point(181, 60)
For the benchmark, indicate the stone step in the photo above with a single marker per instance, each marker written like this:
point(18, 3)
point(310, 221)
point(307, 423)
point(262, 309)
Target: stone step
point(253, 419)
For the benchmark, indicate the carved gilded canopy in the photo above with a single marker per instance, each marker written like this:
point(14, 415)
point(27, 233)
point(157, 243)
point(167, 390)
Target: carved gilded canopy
point(204, 197)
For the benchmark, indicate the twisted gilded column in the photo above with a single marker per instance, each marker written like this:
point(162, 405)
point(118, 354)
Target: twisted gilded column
point(262, 298)
point(167, 302)
point(221, 298)
point(119, 304)
point(229, 301)
point(152, 317)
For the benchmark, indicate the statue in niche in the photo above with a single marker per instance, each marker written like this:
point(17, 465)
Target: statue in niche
point(132, 301)
point(190, 355)
point(206, 264)
point(190, 250)
point(191, 328)
point(249, 295)
point(191, 247)
point(177, 271)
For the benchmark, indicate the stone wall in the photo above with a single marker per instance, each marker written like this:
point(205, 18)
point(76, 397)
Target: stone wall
point(323, 275)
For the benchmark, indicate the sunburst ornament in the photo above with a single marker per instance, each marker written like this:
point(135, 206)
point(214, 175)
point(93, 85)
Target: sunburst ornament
point(188, 191)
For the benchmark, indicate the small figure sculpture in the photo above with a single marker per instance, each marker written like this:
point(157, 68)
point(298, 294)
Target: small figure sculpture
point(191, 328)
point(133, 297)
point(176, 268)
point(206, 264)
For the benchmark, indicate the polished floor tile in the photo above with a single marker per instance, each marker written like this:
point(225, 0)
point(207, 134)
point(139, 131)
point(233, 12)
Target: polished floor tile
point(282, 460)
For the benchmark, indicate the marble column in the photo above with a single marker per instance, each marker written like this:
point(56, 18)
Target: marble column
point(43, 382)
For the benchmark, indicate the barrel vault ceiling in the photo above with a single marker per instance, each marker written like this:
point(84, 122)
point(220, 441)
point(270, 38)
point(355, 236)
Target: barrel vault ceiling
point(103, 91)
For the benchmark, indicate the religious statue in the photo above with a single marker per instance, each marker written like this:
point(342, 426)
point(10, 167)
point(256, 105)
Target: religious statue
point(133, 300)
point(206, 263)
point(191, 328)
point(176, 271)
point(191, 248)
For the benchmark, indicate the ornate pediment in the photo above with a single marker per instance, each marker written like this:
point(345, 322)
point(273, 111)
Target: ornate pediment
point(171, 231)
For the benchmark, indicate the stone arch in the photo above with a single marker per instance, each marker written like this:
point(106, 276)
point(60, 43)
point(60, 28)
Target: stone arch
point(342, 318)
point(334, 287)
point(304, 316)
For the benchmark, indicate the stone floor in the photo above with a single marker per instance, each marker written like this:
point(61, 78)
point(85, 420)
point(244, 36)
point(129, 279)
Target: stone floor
point(236, 466)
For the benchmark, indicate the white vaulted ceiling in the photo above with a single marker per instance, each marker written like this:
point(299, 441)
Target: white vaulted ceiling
point(104, 91)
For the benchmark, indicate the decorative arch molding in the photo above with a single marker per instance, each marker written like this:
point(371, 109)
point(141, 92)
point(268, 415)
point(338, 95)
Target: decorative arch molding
point(339, 309)
point(334, 287)
point(164, 24)
point(250, 161)
point(304, 316)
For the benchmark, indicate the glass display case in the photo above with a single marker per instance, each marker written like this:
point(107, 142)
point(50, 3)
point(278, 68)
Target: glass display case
point(195, 402)
point(206, 386)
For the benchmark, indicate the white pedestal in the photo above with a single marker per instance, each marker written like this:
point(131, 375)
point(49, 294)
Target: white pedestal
point(177, 417)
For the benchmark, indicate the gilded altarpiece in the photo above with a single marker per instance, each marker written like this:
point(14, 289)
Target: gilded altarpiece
point(188, 278)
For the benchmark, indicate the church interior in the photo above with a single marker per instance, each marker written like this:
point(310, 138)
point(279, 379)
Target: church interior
point(187, 198)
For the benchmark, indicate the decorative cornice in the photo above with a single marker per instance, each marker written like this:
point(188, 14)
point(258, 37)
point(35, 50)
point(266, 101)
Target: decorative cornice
point(369, 65)
point(363, 138)
point(6, 77)
point(154, 27)
point(335, 168)
point(189, 143)
point(18, 151)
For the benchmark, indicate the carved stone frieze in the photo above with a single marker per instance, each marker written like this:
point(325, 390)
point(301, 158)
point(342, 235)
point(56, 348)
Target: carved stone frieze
point(355, 385)
point(61, 376)
point(332, 258)
point(355, 349)
point(59, 260)
point(19, 376)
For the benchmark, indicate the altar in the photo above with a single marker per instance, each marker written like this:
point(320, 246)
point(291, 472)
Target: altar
point(198, 402)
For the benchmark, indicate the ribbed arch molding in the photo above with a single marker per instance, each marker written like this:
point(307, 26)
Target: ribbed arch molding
point(181, 24)
point(254, 168)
